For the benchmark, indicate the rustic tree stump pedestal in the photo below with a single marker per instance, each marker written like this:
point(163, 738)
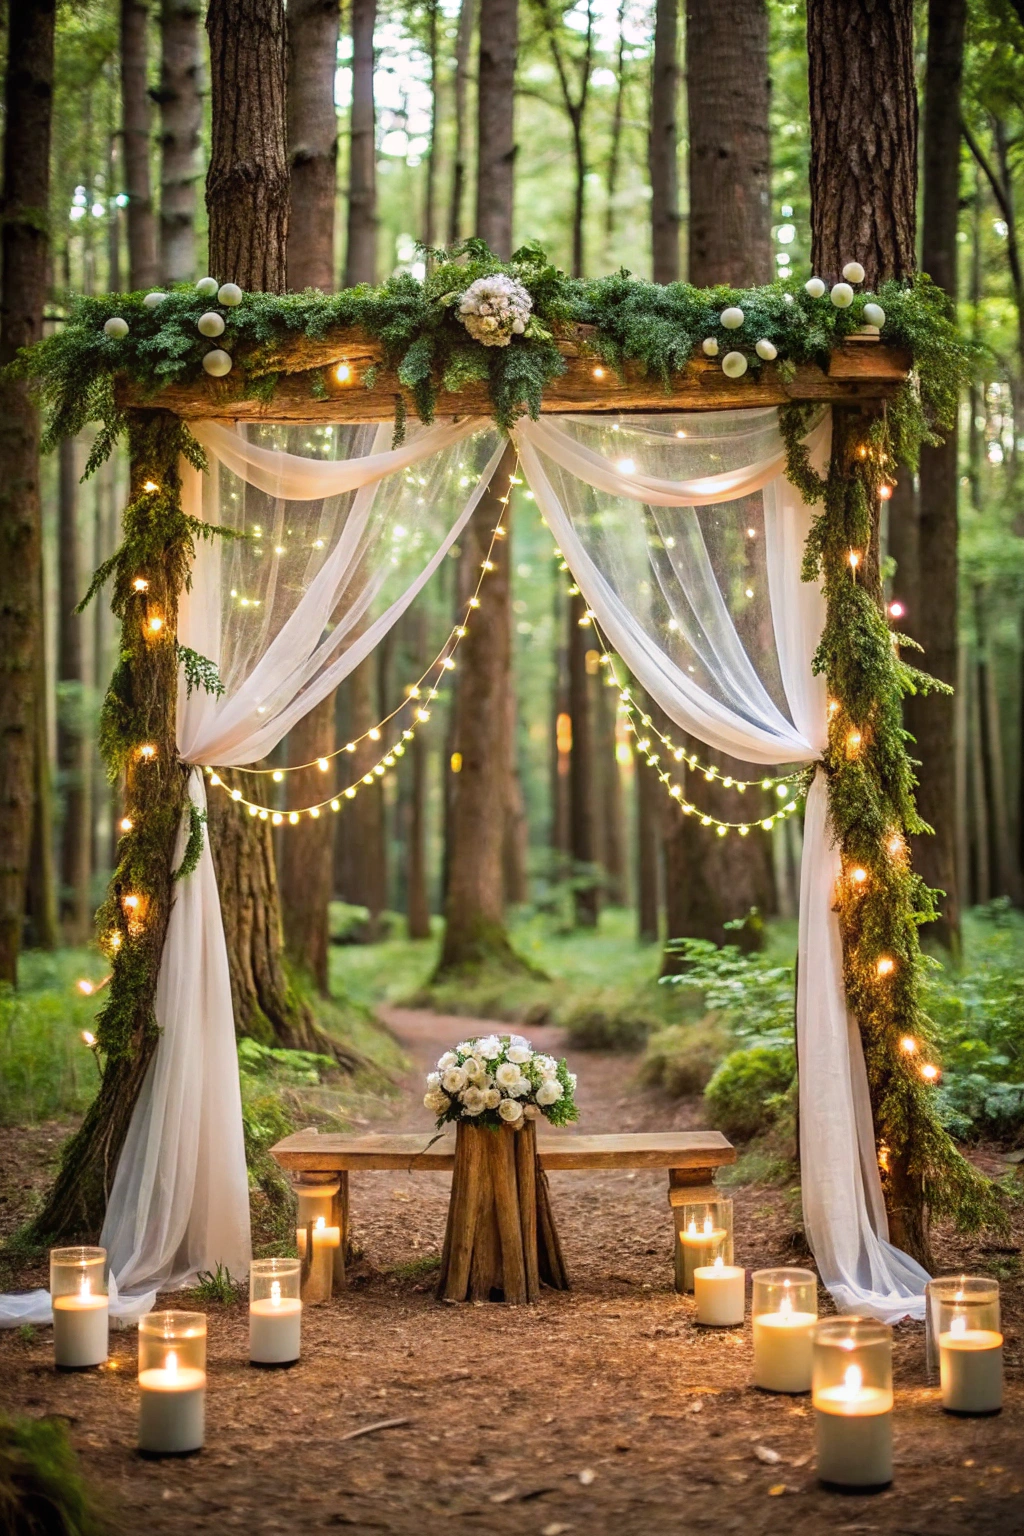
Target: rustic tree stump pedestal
point(501, 1240)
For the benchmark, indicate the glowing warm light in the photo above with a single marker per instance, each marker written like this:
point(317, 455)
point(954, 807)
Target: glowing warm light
point(236, 794)
point(148, 751)
point(293, 817)
point(853, 741)
point(455, 762)
point(751, 533)
point(374, 734)
point(895, 845)
point(131, 902)
point(140, 584)
point(126, 824)
point(275, 1293)
point(885, 492)
point(85, 987)
point(896, 610)
point(853, 1381)
point(114, 939)
point(598, 373)
point(833, 706)
point(150, 485)
point(474, 602)
point(314, 811)
point(709, 1226)
point(854, 559)
point(862, 451)
point(885, 966)
point(276, 819)
point(423, 714)
point(277, 776)
point(171, 1363)
point(958, 1324)
point(322, 764)
point(215, 778)
point(343, 373)
point(930, 1073)
point(563, 734)
point(908, 1045)
point(858, 875)
point(449, 664)
point(89, 1038)
point(320, 1224)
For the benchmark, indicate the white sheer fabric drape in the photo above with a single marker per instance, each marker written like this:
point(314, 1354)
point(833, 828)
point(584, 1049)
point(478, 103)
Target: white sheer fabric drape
point(708, 611)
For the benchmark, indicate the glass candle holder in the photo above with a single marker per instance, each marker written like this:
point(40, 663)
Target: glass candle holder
point(964, 1335)
point(704, 1230)
point(852, 1399)
point(275, 1311)
point(78, 1287)
point(784, 1311)
point(172, 1382)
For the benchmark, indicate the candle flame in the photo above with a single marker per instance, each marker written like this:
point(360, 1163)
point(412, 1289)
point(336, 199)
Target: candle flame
point(275, 1293)
point(853, 1381)
point(708, 1226)
point(691, 1230)
point(171, 1363)
point(719, 1262)
point(320, 1223)
point(785, 1307)
point(958, 1324)
point(85, 1287)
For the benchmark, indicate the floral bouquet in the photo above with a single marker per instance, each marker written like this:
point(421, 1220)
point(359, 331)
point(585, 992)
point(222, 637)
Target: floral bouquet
point(494, 309)
point(500, 1080)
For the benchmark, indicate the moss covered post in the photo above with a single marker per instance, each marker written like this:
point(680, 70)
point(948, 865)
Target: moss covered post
point(138, 744)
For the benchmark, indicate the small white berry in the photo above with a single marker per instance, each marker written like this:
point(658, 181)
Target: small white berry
point(732, 318)
point(853, 272)
point(787, 298)
point(766, 349)
point(210, 324)
point(217, 363)
point(229, 294)
point(734, 365)
point(709, 346)
point(207, 286)
point(815, 287)
point(153, 299)
point(841, 295)
point(874, 314)
point(116, 327)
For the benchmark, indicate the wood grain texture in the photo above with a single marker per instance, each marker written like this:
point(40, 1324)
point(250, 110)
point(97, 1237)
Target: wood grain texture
point(421, 1153)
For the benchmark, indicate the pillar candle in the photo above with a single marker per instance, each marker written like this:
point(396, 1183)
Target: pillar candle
point(275, 1326)
point(971, 1368)
point(323, 1237)
point(80, 1329)
point(172, 1408)
point(701, 1247)
point(853, 1432)
point(719, 1289)
point(782, 1349)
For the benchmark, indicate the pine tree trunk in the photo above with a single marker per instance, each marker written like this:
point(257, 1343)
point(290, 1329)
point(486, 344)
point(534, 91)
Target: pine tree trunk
point(72, 741)
point(434, 151)
point(181, 119)
point(516, 839)
point(496, 145)
point(501, 1240)
point(312, 142)
point(649, 840)
point(361, 250)
point(362, 846)
point(863, 100)
point(143, 267)
point(247, 192)
point(24, 243)
point(582, 795)
point(307, 864)
point(417, 896)
point(559, 839)
point(611, 814)
point(460, 148)
point(930, 719)
point(663, 151)
point(42, 929)
point(727, 92)
point(979, 798)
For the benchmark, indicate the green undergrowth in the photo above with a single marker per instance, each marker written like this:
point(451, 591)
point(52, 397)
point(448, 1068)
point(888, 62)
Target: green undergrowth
point(42, 1492)
point(46, 1071)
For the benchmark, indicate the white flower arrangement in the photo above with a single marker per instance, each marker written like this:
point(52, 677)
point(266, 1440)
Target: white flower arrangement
point(500, 1080)
point(494, 309)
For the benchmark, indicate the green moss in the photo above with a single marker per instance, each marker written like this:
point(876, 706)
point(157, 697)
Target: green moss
point(41, 1490)
point(747, 1090)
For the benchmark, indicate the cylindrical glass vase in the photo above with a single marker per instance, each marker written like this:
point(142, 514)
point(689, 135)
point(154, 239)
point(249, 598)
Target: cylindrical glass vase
point(963, 1327)
point(78, 1288)
point(852, 1399)
point(172, 1382)
point(705, 1234)
point(275, 1311)
point(784, 1311)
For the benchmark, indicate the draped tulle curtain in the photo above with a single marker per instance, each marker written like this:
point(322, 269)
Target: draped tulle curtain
point(686, 541)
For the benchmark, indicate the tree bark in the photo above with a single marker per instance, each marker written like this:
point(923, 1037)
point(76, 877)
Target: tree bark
point(615, 138)
point(663, 152)
point(930, 718)
point(575, 103)
point(181, 119)
point(863, 137)
point(247, 191)
point(460, 148)
point(312, 142)
point(433, 153)
point(417, 895)
point(649, 839)
point(307, 863)
point(24, 246)
point(583, 809)
point(727, 92)
point(362, 845)
point(143, 267)
point(41, 921)
point(496, 145)
point(73, 754)
point(361, 250)
point(611, 813)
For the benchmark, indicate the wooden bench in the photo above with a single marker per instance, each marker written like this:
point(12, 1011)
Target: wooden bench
point(320, 1166)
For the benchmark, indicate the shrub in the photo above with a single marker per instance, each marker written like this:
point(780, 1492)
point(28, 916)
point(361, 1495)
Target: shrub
point(747, 1092)
point(41, 1492)
point(682, 1058)
point(608, 1021)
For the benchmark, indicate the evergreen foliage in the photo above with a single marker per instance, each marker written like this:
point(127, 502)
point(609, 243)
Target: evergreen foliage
point(41, 1491)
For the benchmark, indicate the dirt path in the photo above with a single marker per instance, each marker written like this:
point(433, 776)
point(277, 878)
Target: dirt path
point(602, 1412)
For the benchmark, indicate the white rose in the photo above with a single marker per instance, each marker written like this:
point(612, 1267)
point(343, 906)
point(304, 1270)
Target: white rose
point(519, 1054)
point(454, 1080)
point(489, 1047)
point(521, 1088)
point(433, 1081)
point(547, 1066)
point(519, 1040)
point(474, 1068)
point(493, 1097)
point(550, 1091)
point(473, 1101)
point(507, 1075)
point(465, 1048)
point(510, 1110)
point(449, 1059)
point(437, 1102)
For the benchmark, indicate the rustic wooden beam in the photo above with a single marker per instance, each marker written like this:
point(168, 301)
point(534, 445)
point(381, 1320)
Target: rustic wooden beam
point(860, 370)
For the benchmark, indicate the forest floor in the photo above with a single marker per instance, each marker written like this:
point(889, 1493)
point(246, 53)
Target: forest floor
point(601, 1410)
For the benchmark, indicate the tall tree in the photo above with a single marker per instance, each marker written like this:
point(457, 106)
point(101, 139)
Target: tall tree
point(460, 148)
point(143, 265)
point(863, 112)
point(710, 880)
point(495, 125)
point(931, 718)
point(582, 786)
point(73, 746)
point(361, 251)
point(663, 147)
point(181, 118)
point(307, 864)
point(24, 249)
point(434, 149)
point(574, 85)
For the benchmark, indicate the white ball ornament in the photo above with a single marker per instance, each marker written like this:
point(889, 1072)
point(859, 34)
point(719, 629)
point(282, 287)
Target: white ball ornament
point(115, 327)
point(207, 286)
point(766, 349)
point(734, 365)
point(229, 294)
point(732, 318)
point(787, 298)
point(153, 299)
point(841, 295)
point(874, 314)
point(815, 287)
point(853, 272)
point(709, 346)
point(217, 363)
point(210, 324)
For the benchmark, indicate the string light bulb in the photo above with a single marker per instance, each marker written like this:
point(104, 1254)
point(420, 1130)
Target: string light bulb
point(89, 1039)
point(343, 373)
point(85, 987)
point(930, 1072)
point(150, 486)
point(322, 764)
point(126, 824)
point(598, 373)
point(854, 558)
point(886, 965)
point(155, 623)
point(140, 584)
point(858, 875)
point(885, 492)
point(908, 1045)
point(147, 752)
point(853, 742)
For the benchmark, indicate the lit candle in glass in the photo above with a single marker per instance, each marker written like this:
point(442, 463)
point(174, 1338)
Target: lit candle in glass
point(172, 1382)
point(852, 1398)
point(701, 1242)
point(719, 1292)
point(78, 1288)
point(275, 1311)
point(784, 1311)
point(970, 1367)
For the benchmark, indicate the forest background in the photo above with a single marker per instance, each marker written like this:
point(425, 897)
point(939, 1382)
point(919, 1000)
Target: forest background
point(597, 873)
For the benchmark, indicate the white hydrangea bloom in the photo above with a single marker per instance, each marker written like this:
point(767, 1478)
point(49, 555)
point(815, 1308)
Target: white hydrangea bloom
point(547, 1066)
point(488, 1047)
point(494, 309)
